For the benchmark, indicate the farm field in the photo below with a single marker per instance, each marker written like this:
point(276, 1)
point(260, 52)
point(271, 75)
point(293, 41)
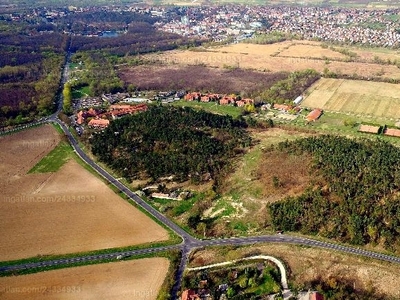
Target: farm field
point(68, 211)
point(132, 279)
point(288, 56)
point(306, 264)
point(376, 99)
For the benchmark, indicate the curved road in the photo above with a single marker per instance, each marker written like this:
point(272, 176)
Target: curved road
point(188, 242)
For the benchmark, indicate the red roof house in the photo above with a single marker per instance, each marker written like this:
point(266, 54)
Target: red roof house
point(189, 295)
point(314, 115)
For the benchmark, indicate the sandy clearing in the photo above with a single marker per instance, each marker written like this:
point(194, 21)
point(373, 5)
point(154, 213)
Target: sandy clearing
point(133, 279)
point(64, 212)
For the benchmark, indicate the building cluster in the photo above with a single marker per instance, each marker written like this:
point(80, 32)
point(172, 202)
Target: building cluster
point(371, 27)
point(347, 25)
point(376, 27)
point(101, 119)
point(218, 98)
point(379, 130)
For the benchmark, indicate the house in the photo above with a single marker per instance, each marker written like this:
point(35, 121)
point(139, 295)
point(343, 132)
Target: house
point(392, 132)
point(91, 112)
point(79, 119)
point(121, 110)
point(282, 107)
point(224, 101)
point(120, 106)
point(189, 295)
point(310, 295)
point(240, 103)
point(316, 296)
point(248, 101)
point(369, 129)
point(314, 115)
point(99, 123)
point(192, 96)
point(205, 99)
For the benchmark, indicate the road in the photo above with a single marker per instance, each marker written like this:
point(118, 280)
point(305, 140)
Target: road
point(188, 243)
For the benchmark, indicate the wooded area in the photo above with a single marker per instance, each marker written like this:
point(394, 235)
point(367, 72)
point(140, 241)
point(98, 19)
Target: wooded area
point(30, 71)
point(353, 196)
point(171, 141)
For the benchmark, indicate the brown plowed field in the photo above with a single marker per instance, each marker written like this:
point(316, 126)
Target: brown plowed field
point(64, 212)
point(125, 280)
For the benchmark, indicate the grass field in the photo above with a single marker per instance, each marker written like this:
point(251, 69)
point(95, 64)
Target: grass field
point(53, 161)
point(290, 56)
point(359, 98)
point(212, 107)
point(61, 212)
point(133, 279)
point(82, 92)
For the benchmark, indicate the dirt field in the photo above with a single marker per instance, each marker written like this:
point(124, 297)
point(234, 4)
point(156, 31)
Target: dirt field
point(286, 56)
point(310, 50)
point(134, 279)
point(306, 264)
point(358, 97)
point(64, 212)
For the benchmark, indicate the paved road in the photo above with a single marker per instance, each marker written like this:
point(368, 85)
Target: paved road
point(188, 242)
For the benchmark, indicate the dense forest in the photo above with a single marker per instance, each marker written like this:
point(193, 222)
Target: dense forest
point(171, 141)
point(140, 37)
point(354, 196)
point(30, 67)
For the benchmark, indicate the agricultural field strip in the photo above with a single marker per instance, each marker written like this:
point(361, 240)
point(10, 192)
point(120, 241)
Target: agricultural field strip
point(347, 96)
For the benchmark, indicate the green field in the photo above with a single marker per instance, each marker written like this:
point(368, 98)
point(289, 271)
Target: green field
point(212, 107)
point(82, 92)
point(53, 161)
point(377, 100)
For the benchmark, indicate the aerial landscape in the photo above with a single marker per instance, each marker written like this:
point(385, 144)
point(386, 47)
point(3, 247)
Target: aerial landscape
point(200, 149)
